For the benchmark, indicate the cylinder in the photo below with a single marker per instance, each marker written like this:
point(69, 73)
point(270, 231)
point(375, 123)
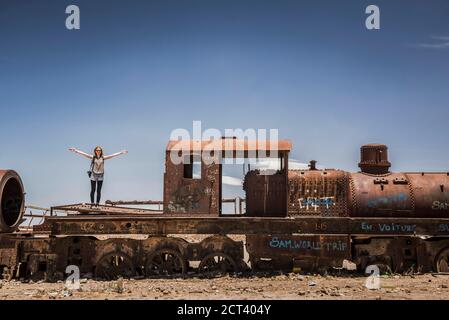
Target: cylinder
point(12, 201)
point(431, 193)
point(400, 195)
point(385, 196)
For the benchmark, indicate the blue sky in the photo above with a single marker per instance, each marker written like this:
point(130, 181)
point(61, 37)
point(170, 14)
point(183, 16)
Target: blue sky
point(136, 70)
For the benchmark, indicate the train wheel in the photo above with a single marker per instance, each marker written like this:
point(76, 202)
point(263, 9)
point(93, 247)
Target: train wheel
point(442, 261)
point(165, 262)
point(115, 265)
point(217, 263)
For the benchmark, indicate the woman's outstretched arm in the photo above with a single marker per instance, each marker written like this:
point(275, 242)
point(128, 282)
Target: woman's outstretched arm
point(115, 155)
point(88, 156)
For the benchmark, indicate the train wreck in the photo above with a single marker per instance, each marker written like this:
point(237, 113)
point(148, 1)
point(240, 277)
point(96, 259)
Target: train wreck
point(306, 220)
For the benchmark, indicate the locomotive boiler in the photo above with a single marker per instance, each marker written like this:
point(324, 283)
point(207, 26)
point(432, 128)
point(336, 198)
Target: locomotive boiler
point(295, 220)
point(372, 192)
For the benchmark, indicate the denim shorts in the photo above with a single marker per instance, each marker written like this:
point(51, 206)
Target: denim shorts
point(96, 177)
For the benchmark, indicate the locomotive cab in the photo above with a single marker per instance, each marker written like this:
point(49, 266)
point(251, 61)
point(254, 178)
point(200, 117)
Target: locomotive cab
point(201, 193)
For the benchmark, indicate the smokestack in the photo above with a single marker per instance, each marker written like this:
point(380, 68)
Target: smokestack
point(374, 159)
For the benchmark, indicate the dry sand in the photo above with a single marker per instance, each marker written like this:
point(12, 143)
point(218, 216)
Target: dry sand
point(287, 286)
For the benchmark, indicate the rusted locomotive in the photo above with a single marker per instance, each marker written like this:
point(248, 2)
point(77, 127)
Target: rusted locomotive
point(308, 220)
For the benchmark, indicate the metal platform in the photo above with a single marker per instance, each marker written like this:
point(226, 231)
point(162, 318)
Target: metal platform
point(83, 208)
point(109, 220)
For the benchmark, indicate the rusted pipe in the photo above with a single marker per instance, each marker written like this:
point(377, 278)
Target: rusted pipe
point(133, 202)
point(12, 201)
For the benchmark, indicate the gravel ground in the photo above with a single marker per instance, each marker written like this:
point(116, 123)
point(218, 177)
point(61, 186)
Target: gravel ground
point(288, 286)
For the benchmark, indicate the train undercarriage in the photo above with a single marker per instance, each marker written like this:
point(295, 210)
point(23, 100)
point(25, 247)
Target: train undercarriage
point(111, 246)
point(112, 258)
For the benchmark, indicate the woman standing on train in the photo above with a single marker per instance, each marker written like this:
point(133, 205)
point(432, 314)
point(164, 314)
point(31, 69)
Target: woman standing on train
point(96, 172)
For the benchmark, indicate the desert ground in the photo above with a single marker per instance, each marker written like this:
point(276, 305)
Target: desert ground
point(278, 286)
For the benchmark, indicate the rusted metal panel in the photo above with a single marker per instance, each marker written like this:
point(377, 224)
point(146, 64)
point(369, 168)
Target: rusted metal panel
point(93, 225)
point(189, 195)
point(229, 144)
point(381, 196)
point(298, 246)
point(423, 195)
point(318, 192)
point(82, 208)
point(265, 194)
point(8, 251)
point(399, 226)
point(430, 193)
point(298, 252)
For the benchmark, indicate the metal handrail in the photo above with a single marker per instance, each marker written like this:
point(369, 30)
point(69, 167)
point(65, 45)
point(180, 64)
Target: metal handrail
point(238, 201)
point(27, 223)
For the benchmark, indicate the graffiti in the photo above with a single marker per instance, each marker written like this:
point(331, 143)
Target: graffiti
point(185, 198)
point(443, 227)
point(366, 226)
point(278, 243)
point(437, 205)
point(375, 202)
point(314, 203)
point(388, 227)
point(321, 226)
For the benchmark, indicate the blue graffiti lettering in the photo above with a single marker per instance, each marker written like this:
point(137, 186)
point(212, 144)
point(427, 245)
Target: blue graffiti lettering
point(275, 242)
point(444, 227)
point(392, 227)
point(387, 200)
point(366, 226)
point(314, 203)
